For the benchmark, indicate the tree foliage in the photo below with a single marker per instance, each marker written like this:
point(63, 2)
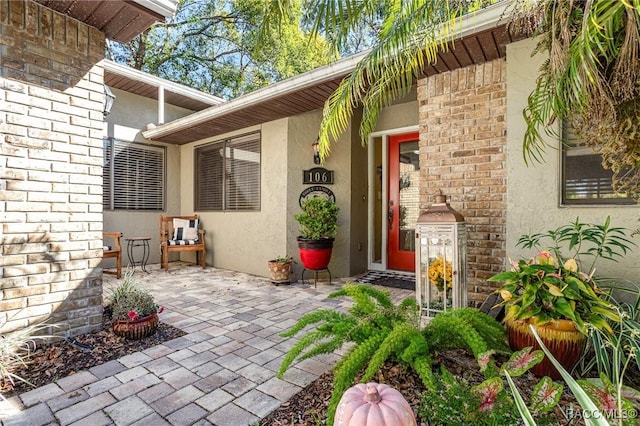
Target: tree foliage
point(590, 80)
point(410, 34)
point(212, 46)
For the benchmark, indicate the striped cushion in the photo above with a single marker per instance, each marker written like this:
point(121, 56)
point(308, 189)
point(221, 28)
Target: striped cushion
point(185, 230)
point(183, 242)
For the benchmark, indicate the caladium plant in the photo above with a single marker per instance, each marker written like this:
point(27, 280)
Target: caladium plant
point(546, 394)
point(522, 360)
point(615, 405)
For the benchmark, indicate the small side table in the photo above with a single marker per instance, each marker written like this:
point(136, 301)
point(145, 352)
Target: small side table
point(143, 242)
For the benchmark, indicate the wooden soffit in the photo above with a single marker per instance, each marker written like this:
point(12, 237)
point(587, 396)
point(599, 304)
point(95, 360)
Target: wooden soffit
point(119, 20)
point(473, 49)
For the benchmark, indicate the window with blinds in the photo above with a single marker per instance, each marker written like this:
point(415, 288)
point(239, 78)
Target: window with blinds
point(584, 180)
point(227, 175)
point(133, 176)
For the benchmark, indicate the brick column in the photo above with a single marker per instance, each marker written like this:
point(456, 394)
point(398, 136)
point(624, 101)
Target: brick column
point(51, 102)
point(462, 116)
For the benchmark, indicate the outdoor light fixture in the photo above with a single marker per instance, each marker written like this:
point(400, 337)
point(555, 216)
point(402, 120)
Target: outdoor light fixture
point(316, 152)
point(441, 257)
point(109, 97)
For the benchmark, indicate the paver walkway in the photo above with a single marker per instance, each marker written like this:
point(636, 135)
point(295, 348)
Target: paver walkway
point(222, 372)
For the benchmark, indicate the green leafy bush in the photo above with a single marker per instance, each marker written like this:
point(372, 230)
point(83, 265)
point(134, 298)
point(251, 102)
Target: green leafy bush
point(319, 219)
point(379, 331)
point(554, 284)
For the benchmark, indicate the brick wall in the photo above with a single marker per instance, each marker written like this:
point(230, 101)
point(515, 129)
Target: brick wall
point(462, 116)
point(51, 124)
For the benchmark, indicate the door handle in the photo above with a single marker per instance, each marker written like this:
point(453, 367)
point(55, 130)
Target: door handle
point(390, 218)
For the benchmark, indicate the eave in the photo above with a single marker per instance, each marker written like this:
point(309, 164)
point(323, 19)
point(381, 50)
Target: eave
point(120, 20)
point(482, 37)
point(143, 84)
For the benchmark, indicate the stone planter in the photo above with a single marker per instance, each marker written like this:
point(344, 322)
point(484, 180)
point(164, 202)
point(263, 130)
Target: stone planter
point(280, 272)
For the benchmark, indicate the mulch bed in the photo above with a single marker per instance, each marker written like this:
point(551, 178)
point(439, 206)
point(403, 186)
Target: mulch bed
point(62, 358)
point(309, 406)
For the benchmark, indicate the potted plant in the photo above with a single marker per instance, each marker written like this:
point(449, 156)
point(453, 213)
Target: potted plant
point(551, 292)
point(280, 269)
point(318, 224)
point(134, 311)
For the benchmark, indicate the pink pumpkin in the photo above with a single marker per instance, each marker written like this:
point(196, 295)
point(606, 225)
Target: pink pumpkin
point(373, 404)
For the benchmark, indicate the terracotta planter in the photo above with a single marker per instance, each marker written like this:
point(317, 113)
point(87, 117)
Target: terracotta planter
point(137, 329)
point(280, 273)
point(561, 337)
point(315, 254)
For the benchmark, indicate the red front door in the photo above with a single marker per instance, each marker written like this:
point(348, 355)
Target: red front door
point(403, 206)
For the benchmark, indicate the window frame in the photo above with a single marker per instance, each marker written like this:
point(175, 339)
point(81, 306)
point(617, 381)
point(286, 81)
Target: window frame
point(226, 144)
point(109, 186)
point(570, 148)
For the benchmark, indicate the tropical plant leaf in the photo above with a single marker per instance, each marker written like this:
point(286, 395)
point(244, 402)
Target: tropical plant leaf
point(596, 419)
point(522, 360)
point(488, 390)
point(546, 395)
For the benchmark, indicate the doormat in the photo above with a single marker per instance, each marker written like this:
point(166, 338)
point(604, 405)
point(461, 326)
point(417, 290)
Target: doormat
point(388, 279)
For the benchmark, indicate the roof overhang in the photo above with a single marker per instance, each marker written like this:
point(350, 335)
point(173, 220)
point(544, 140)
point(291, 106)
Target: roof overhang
point(481, 37)
point(143, 84)
point(119, 20)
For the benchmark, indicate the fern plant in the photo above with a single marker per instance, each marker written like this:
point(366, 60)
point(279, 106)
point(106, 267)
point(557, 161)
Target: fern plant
point(379, 331)
point(469, 329)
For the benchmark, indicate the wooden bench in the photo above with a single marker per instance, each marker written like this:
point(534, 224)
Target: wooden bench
point(188, 237)
point(111, 251)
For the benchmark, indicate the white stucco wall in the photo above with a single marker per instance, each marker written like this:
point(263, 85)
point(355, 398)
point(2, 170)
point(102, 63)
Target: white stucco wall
point(533, 194)
point(399, 115)
point(245, 241)
point(129, 117)
point(302, 133)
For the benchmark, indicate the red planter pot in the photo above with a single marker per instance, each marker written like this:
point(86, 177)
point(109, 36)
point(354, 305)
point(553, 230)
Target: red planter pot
point(137, 329)
point(315, 254)
point(561, 337)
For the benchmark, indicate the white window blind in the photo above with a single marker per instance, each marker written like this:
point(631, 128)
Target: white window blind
point(228, 174)
point(134, 176)
point(585, 181)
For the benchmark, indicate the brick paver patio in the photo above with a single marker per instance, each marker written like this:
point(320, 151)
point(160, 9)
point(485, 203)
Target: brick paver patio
point(222, 372)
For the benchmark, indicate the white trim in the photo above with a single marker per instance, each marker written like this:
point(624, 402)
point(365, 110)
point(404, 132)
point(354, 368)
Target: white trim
point(469, 24)
point(371, 205)
point(284, 87)
point(396, 131)
point(161, 104)
point(166, 8)
point(384, 135)
point(143, 77)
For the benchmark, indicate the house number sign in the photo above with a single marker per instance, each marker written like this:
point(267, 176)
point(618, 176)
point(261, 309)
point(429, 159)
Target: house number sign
point(317, 176)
